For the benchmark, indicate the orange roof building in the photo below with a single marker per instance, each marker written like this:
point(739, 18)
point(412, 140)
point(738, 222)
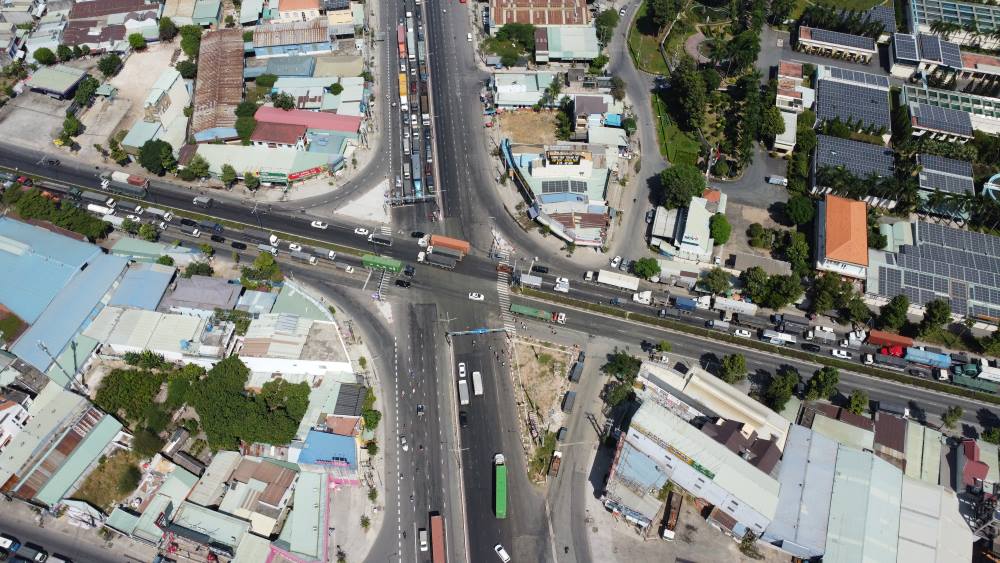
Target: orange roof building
point(842, 237)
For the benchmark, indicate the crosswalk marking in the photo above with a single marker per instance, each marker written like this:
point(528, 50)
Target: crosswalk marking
point(503, 294)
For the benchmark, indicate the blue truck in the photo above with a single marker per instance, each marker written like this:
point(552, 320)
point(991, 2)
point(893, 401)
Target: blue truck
point(685, 303)
point(933, 359)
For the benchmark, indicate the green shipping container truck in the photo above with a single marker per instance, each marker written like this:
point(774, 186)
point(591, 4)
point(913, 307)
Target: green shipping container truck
point(381, 263)
point(974, 382)
point(500, 499)
point(538, 314)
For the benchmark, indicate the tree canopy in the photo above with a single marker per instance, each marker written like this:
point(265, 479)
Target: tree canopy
point(719, 229)
point(136, 41)
point(151, 156)
point(109, 65)
point(187, 69)
point(936, 314)
point(191, 40)
point(716, 281)
point(688, 89)
point(31, 204)
point(523, 34)
point(781, 387)
point(678, 184)
point(857, 402)
point(800, 209)
point(823, 384)
point(128, 392)
point(892, 315)
point(168, 30)
point(45, 56)
point(733, 368)
point(646, 268)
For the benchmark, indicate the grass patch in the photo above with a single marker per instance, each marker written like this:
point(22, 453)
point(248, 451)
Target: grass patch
point(644, 43)
point(505, 49)
point(539, 463)
point(707, 334)
point(11, 326)
point(102, 487)
point(675, 144)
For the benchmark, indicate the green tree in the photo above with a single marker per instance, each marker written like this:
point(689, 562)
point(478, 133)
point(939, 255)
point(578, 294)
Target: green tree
point(716, 281)
point(605, 23)
point(146, 444)
point(781, 387)
point(191, 40)
point(72, 125)
point(688, 88)
point(719, 229)
point(754, 280)
point(284, 101)
point(109, 65)
point(64, 52)
point(336, 88)
point(622, 365)
point(167, 159)
point(857, 402)
point(597, 65)
point(246, 108)
point(952, 415)
point(521, 34)
point(245, 127)
point(617, 88)
point(664, 346)
point(199, 166)
point(822, 384)
point(782, 291)
point(85, 91)
point(248, 36)
point(646, 268)
point(206, 249)
point(129, 479)
point(198, 269)
point(136, 41)
point(266, 80)
point(796, 251)
point(168, 30)
point(148, 232)
point(992, 435)
point(800, 209)
point(187, 69)
point(165, 260)
point(228, 174)
point(936, 314)
point(128, 392)
point(991, 343)
point(251, 180)
point(892, 315)
point(45, 56)
point(855, 310)
point(733, 368)
point(678, 184)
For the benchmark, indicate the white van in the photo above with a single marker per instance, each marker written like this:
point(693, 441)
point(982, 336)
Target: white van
point(422, 536)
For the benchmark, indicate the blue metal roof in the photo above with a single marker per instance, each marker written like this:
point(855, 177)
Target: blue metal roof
point(76, 305)
point(142, 286)
point(38, 264)
point(322, 448)
point(613, 120)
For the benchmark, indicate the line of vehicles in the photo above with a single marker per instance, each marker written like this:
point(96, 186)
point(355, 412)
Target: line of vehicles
point(11, 549)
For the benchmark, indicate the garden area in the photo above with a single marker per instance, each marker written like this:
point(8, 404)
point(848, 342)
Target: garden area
point(644, 38)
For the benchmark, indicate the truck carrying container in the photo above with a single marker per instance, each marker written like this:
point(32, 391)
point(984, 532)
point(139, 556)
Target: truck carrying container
point(718, 325)
point(440, 260)
point(685, 303)
point(125, 184)
point(376, 238)
point(576, 372)
point(98, 198)
point(445, 251)
point(775, 337)
point(303, 257)
point(933, 359)
point(530, 281)
point(673, 511)
point(463, 392)
point(437, 538)
point(882, 338)
point(621, 281)
point(452, 243)
point(160, 214)
point(272, 250)
point(202, 201)
point(500, 484)
point(554, 463)
point(890, 361)
point(733, 306)
point(568, 401)
point(477, 383)
point(975, 383)
point(255, 235)
point(539, 314)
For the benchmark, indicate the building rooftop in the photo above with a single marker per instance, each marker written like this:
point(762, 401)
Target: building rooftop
point(945, 174)
point(539, 12)
point(930, 525)
point(846, 230)
point(217, 527)
point(48, 412)
point(281, 133)
point(148, 330)
point(309, 515)
point(202, 293)
point(310, 119)
point(572, 42)
point(790, 69)
point(82, 457)
point(219, 88)
point(142, 286)
point(57, 78)
point(322, 448)
point(941, 120)
point(212, 484)
point(257, 302)
point(101, 8)
point(860, 159)
point(858, 104)
point(291, 33)
point(864, 509)
point(857, 42)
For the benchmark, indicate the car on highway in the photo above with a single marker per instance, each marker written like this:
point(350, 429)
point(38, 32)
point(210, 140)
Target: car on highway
point(417, 234)
point(420, 410)
point(461, 370)
point(133, 218)
point(501, 553)
point(9, 543)
point(476, 296)
point(621, 13)
point(422, 242)
point(562, 285)
point(188, 222)
point(463, 419)
point(616, 261)
point(361, 231)
point(349, 269)
point(743, 333)
point(332, 255)
point(539, 269)
point(403, 444)
point(294, 247)
point(842, 354)
point(409, 271)
point(403, 283)
point(626, 265)
point(319, 225)
point(138, 210)
point(238, 245)
point(810, 347)
point(217, 238)
point(422, 535)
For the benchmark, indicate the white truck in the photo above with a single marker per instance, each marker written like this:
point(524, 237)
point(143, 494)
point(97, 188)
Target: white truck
point(643, 297)
point(162, 215)
point(477, 383)
point(99, 209)
point(620, 281)
point(463, 391)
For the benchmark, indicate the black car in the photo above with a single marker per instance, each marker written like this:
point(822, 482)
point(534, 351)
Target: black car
point(403, 283)
point(417, 234)
point(810, 347)
point(409, 271)
point(189, 222)
point(581, 357)
point(238, 245)
point(217, 238)
point(539, 269)
point(463, 419)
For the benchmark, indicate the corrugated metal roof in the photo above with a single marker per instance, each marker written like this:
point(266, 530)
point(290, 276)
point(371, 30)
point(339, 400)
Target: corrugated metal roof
point(48, 411)
point(864, 510)
point(82, 457)
point(250, 11)
point(219, 88)
point(203, 292)
point(292, 33)
point(221, 528)
point(57, 79)
point(302, 531)
point(211, 486)
point(142, 286)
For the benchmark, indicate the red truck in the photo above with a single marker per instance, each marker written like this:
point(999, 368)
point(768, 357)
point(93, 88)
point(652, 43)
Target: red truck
point(882, 338)
point(554, 463)
point(673, 511)
point(452, 243)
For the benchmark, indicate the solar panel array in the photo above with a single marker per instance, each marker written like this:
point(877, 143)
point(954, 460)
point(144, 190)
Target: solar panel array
point(844, 39)
point(563, 186)
point(861, 159)
point(856, 76)
point(862, 105)
point(951, 54)
point(935, 181)
point(945, 165)
point(942, 119)
point(885, 16)
point(930, 47)
point(905, 46)
point(945, 263)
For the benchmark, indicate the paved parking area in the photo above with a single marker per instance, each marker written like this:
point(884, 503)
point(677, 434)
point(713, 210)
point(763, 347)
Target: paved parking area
point(33, 119)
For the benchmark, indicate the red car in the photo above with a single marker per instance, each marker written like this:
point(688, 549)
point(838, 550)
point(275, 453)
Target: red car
point(25, 181)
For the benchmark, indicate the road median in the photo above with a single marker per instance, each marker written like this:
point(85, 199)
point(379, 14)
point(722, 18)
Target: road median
point(929, 384)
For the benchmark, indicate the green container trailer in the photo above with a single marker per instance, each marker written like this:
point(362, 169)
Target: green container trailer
point(975, 383)
point(538, 314)
point(381, 263)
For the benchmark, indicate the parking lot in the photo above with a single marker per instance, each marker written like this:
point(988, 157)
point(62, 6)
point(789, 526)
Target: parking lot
point(33, 113)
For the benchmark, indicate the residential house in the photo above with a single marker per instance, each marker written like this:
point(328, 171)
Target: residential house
point(48, 33)
point(13, 41)
point(842, 237)
point(279, 135)
point(290, 11)
point(14, 415)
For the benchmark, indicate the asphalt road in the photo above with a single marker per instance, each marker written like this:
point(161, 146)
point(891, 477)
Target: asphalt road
point(84, 546)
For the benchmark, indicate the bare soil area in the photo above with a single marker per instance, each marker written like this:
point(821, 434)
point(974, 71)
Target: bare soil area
point(529, 127)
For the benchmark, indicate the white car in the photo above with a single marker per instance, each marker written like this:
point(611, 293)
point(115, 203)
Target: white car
point(468, 37)
point(133, 218)
point(294, 247)
point(422, 242)
point(621, 12)
point(349, 269)
point(332, 255)
point(842, 354)
point(361, 231)
point(402, 442)
point(562, 285)
point(461, 370)
point(138, 210)
point(743, 333)
point(501, 553)
point(615, 262)
point(476, 296)
point(319, 225)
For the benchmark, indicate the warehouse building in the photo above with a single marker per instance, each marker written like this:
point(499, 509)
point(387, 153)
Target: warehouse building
point(219, 88)
point(539, 13)
point(291, 38)
point(566, 44)
point(56, 81)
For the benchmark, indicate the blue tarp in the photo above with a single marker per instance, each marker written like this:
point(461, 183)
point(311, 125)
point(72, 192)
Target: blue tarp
point(613, 120)
point(323, 448)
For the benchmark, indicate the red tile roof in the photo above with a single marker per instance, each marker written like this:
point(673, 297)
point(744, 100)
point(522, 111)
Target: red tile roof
point(790, 69)
point(540, 12)
point(846, 230)
point(310, 119)
point(975, 470)
point(711, 195)
point(282, 133)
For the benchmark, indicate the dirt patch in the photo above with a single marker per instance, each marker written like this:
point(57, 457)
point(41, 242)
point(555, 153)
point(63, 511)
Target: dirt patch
point(103, 486)
point(740, 218)
point(528, 126)
point(543, 371)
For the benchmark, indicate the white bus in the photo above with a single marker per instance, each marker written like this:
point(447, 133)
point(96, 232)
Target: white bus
point(775, 337)
point(477, 383)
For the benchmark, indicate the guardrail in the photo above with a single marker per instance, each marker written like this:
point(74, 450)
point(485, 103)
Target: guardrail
point(930, 384)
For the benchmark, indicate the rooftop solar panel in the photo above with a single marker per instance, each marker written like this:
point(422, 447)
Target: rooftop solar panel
point(945, 165)
point(905, 46)
point(951, 54)
point(844, 39)
point(853, 102)
point(942, 119)
point(930, 47)
point(861, 159)
point(855, 76)
point(946, 183)
point(884, 15)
